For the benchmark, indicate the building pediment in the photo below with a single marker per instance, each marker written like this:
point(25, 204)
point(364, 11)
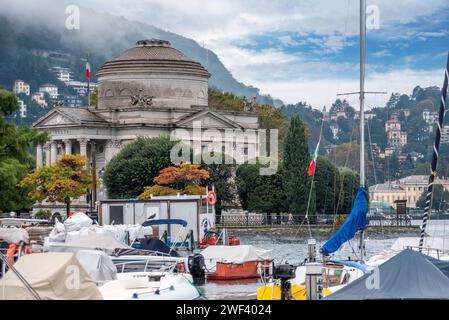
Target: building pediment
point(54, 118)
point(208, 119)
point(69, 117)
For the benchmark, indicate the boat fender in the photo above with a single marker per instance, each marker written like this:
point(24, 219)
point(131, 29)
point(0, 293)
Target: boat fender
point(135, 296)
point(158, 291)
point(172, 288)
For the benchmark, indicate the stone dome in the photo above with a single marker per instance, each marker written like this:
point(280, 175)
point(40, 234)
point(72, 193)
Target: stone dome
point(154, 69)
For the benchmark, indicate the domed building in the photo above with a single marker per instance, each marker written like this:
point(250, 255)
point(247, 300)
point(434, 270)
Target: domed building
point(150, 90)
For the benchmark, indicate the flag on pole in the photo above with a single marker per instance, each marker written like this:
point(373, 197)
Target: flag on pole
point(88, 70)
point(312, 164)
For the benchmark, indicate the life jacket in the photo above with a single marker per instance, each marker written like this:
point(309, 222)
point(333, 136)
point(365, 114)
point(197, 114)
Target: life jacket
point(12, 250)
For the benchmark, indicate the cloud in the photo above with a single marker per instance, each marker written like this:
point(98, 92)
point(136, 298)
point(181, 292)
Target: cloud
point(304, 60)
point(321, 92)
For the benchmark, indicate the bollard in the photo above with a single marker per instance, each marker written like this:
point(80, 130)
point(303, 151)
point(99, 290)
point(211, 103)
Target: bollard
point(313, 280)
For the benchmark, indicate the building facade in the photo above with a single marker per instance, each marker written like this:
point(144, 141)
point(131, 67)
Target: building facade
point(409, 188)
point(39, 98)
point(21, 86)
point(150, 90)
point(22, 109)
point(51, 89)
point(62, 74)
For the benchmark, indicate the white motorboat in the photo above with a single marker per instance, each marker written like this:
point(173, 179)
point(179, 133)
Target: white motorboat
point(151, 286)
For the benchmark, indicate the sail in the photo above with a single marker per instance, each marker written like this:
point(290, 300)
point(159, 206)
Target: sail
point(355, 222)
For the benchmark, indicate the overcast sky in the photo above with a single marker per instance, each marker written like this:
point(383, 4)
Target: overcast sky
point(300, 50)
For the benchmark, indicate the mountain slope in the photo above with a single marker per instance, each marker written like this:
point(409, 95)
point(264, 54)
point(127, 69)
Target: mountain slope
point(101, 37)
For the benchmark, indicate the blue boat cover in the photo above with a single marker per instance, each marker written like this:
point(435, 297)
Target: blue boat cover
point(164, 221)
point(363, 267)
point(356, 221)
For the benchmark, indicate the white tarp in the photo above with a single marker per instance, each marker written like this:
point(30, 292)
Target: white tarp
point(233, 254)
point(91, 240)
point(79, 227)
point(54, 276)
point(98, 265)
point(14, 235)
point(429, 243)
point(77, 221)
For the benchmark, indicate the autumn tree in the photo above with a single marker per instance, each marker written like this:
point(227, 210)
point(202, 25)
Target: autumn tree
point(184, 178)
point(63, 181)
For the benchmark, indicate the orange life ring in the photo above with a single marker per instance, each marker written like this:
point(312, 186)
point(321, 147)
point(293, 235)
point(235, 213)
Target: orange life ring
point(211, 198)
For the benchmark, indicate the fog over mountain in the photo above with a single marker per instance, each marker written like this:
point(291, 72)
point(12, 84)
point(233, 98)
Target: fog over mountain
point(101, 36)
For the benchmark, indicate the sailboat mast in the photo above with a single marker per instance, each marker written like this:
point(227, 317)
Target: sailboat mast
point(362, 89)
point(362, 109)
point(436, 150)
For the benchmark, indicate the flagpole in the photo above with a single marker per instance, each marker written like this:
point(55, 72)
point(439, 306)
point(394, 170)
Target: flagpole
point(313, 176)
point(88, 87)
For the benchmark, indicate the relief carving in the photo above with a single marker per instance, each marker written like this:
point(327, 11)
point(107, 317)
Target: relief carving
point(141, 100)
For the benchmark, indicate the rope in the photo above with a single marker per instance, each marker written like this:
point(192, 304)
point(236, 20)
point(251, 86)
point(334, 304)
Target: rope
point(435, 156)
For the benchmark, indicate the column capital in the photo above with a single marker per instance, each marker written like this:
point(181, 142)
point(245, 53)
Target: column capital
point(83, 140)
point(114, 143)
point(67, 141)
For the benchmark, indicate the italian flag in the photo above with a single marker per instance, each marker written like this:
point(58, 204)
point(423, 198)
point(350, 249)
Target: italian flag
point(312, 164)
point(88, 70)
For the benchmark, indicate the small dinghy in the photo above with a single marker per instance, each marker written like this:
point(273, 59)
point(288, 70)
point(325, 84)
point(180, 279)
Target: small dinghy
point(236, 262)
point(151, 286)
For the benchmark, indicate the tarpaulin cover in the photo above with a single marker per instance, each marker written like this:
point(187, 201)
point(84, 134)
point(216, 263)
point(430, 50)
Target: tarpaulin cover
point(98, 265)
point(356, 221)
point(14, 235)
point(54, 276)
point(233, 254)
point(408, 275)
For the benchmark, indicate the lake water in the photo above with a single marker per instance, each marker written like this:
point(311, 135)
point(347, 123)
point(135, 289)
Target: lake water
point(294, 250)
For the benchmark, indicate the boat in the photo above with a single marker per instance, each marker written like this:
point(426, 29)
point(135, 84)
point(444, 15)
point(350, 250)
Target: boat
point(151, 286)
point(236, 262)
point(409, 275)
point(328, 276)
point(48, 276)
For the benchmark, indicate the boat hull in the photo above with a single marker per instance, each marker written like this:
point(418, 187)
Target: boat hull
point(238, 271)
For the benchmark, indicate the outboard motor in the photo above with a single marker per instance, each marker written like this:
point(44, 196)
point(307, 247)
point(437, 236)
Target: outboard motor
point(284, 272)
point(197, 268)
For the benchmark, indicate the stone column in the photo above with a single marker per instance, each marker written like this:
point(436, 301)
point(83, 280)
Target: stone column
point(39, 156)
point(68, 146)
point(47, 153)
point(53, 152)
point(111, 149)
point(83, 146)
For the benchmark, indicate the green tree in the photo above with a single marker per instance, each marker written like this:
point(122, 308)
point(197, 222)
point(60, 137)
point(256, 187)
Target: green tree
point(440, 199)
point(296, 159)
point(260, 193)
point(349, 183)
point(15, 159)
point(221, 177)
point(62, 181)
point(327, 186)
point(136, 165)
